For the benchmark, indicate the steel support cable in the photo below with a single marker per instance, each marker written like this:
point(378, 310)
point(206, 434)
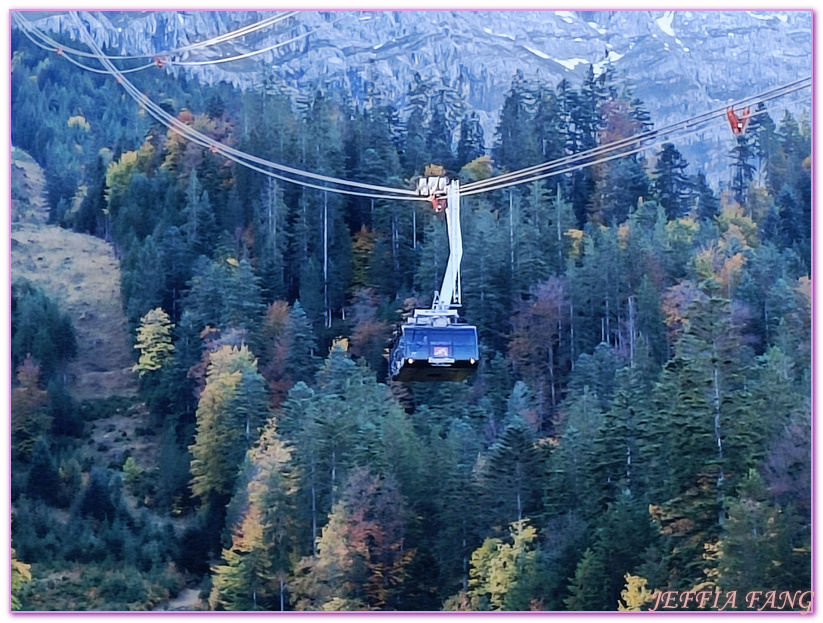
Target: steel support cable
point(238, 156)
point(269, 21)
point(193, 46)
point(68, 56)
point(577, 167)
point(612, 146)
point(684, 124)
point(229, 59)
point(53, 45)
point(602, 160)
point(195, 137)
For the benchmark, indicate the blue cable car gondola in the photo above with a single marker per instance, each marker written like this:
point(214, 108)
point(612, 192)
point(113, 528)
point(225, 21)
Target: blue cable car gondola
point(438, 350)
point(433, 345)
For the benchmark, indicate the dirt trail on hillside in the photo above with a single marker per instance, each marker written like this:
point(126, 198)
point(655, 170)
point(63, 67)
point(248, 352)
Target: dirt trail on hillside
point(188, 599)
point(82, 275)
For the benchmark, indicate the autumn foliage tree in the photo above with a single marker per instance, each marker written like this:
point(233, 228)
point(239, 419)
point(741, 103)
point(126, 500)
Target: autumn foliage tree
point(30, 419)
point(232, 407)
point(361, 559)
point(255, 566)
point(537, 325)
point(505, 573)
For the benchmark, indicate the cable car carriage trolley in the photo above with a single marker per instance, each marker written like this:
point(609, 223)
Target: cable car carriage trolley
point(435, 344)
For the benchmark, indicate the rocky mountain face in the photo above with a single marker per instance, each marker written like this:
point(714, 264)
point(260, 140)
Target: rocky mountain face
point(681, 62)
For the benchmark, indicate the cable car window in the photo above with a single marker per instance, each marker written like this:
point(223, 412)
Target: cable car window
point(440, 343)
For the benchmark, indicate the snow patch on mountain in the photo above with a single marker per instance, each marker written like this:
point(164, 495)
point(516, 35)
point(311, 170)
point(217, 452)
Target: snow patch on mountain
point(665, 23)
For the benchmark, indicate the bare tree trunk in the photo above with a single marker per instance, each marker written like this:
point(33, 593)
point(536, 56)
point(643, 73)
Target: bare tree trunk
point(326, 258)
point(718, 441)
point(511, 232)
point(632, 336)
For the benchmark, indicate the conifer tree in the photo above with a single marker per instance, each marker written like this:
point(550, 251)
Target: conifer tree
point(708, 205)
point(516, 145)
point(415, 151)
point(623, 532)
point(200, 227)
point(301, 361)
point(511, 477)
point(44, 478)
point(439, 139)
point(245, 581)
point(225, 292)
point(177, 261)
point(454, 495)
point(618, 444)
point(757, 548)
point(572, 485)
point(270, 238)
point(588, 589)
point(742, 170)
point(671, 185)
point(471, 144)
point(701, 438)
point(40, 330)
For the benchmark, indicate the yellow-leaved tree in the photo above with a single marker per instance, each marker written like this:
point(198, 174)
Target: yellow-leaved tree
point(154, 342)
point(635, 595)
point(504, 575)
point(20, 574)
point(232, 406)
point(253, 576)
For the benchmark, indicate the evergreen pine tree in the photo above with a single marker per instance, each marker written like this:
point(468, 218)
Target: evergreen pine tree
point(742, 170)
point(589, 588)
point(516, 145)
point(471, 144)
point(511, 477)
point(671, 185)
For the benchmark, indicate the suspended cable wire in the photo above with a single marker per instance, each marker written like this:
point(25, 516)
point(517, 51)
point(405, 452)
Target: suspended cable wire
point(234, 154)
point(67, 52)
point(69, 56)
point(187, 48)
point(247, 54)
point(535, 178)
point(684, 124)
point(237, 33)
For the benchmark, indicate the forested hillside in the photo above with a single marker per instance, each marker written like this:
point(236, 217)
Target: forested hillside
point(640, 418)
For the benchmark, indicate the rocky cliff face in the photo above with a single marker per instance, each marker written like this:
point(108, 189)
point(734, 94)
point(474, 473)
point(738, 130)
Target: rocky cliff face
point(681, 62)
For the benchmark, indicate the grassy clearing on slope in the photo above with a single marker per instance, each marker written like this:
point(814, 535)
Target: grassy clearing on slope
point(81, 273)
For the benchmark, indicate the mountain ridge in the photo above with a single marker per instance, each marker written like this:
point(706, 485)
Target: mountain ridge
point(707, 58)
